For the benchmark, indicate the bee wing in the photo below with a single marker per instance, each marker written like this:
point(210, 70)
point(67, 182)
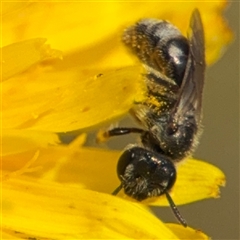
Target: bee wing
point(190, 93)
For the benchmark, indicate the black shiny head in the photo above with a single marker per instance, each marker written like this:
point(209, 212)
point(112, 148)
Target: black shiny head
point(145, 174)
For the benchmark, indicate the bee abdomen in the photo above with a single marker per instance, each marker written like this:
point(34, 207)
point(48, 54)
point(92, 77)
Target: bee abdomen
point(159, 45)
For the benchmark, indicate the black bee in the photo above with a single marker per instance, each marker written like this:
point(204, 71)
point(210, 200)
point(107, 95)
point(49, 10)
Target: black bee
point(171, 115)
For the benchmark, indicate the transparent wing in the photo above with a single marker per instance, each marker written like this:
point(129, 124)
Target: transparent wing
point(190, 94)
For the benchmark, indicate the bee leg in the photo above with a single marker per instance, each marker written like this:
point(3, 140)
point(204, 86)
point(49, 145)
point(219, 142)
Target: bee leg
point(103, 136)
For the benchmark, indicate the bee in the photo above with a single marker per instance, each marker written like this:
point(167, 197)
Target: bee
point(171, 115)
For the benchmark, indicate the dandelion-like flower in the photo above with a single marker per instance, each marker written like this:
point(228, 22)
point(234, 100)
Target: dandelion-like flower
point(87, 78)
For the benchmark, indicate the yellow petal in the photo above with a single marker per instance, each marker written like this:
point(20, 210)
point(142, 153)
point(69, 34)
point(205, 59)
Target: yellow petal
point(187, 233)
point(55, 211)
point(95, 169)
point(17, 141)
point(82, 30)
point(204, 175)
point(20, 56)
point(66, 101)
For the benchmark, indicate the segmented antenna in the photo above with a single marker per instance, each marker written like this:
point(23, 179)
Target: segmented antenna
point(117, 190)
point(175, 210)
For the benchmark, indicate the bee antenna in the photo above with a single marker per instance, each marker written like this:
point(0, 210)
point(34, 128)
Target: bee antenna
point(175, 210)
point(117, 190)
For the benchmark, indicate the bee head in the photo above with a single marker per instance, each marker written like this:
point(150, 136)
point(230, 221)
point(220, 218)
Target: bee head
point(145, 174)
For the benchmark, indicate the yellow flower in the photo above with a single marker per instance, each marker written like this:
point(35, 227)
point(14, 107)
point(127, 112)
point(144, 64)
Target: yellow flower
point(53, 191)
